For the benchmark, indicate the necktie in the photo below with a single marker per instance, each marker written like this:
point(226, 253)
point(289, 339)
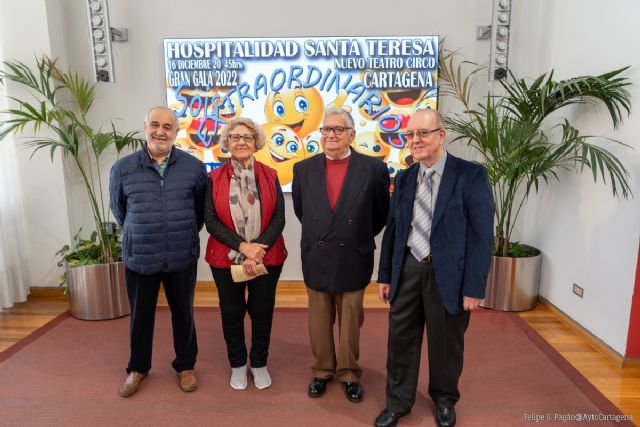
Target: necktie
point(420, 246)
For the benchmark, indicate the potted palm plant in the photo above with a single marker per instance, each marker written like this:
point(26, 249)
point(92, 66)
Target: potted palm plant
point(58, 104)
point(513, 136)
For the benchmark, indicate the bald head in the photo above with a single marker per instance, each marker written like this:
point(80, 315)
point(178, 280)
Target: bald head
point(425, 136)
point(430, 114)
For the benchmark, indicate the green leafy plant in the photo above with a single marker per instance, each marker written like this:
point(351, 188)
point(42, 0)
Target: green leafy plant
point(87, 251)
point(58, 104)
point(509, 131)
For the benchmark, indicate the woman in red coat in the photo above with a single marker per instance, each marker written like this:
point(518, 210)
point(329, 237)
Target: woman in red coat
point(244, 213)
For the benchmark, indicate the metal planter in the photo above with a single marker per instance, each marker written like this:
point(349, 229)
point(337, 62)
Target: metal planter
point(513, 283)
point(97, 292)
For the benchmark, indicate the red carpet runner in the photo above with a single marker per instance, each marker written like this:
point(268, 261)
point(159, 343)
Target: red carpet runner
point(68, 373)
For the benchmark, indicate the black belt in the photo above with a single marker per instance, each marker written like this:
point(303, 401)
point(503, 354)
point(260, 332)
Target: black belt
point(428, 259)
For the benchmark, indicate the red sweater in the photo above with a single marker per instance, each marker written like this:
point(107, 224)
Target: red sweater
point(335, 172)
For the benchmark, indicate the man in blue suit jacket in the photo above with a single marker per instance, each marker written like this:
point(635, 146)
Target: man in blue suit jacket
point(449, 280)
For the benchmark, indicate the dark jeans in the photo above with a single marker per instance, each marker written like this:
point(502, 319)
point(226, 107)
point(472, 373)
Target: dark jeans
point(234, 305)
point(143, 296)
point(418, 303)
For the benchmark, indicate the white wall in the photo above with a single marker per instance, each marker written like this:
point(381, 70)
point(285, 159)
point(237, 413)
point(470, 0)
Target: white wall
point(42, 181)
point(586, 236)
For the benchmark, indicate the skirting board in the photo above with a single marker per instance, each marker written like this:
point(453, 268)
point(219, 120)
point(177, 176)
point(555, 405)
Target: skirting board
point(593, 341)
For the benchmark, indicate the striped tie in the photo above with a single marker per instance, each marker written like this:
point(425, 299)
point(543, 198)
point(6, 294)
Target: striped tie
point(420, 246)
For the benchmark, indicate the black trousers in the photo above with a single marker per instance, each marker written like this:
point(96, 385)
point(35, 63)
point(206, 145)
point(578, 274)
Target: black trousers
point(258, 297)
point(143, 297)
point(418, 303)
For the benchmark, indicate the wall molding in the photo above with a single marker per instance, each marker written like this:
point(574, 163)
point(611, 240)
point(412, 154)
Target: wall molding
point(595, 342)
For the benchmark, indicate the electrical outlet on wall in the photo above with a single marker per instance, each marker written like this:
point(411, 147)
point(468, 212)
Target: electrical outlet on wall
point(578, 290)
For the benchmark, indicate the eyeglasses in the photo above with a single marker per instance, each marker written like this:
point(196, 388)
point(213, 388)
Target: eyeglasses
point(235, 137)
point(337, 130)
point(420, 133)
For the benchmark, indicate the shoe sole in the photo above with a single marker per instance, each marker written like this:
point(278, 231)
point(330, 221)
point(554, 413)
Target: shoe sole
point(189, 389)
point(237, 387)
point(262, 387)
point(399, 415)
point(122, 393)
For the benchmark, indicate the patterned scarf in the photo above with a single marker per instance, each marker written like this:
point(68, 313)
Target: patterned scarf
point(244, 201)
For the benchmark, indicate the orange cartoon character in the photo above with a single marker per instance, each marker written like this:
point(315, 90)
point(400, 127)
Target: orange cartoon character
point(311, 144)
point(229, 108)
point(366, 143)
point(282, 150)
point(391, 128)
point(301, 109)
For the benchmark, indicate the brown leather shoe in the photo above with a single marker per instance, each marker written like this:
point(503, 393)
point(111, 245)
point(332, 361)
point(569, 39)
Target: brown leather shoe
point(188, 380)
point(131, 384)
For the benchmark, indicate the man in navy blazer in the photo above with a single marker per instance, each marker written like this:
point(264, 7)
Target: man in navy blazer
point(442, 287)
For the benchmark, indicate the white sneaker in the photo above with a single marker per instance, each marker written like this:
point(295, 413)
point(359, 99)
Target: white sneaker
point(261, 378)
point(239, 378)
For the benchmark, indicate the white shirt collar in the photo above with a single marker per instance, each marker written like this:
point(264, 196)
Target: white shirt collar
point(344, 156)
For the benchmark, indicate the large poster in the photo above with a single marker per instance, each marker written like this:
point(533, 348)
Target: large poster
point(285, 85)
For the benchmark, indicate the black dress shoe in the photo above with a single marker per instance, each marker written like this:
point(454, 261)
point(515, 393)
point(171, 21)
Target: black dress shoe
point(354, 391)
point(389, 418)
point(317, 387)
point(445, 416)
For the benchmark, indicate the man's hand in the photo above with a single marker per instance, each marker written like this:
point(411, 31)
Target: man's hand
point(469, 303)
point(383, 292)
point(254, 251)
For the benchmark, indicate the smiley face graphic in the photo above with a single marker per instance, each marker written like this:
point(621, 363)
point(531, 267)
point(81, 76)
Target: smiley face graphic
point(301, 109)
point(311, 144)
point(391, 128)
point(229, 108)
point(373, 107)
point(394, 168)
point(201, 133)
point(184, 120)
point(282, 150)
point(366, 143)
point(222, 155)
point(403, 97)
point(193, 102)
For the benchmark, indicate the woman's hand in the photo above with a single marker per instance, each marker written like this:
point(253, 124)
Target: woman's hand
point(250, 267)
point(253, 251)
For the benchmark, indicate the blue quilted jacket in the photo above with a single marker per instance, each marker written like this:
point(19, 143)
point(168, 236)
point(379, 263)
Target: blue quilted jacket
point(160, 216)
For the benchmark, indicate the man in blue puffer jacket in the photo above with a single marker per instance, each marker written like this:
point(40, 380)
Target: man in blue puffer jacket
point(157, 197)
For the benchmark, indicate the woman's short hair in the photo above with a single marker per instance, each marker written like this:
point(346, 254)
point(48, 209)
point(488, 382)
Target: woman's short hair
point(255, 129)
